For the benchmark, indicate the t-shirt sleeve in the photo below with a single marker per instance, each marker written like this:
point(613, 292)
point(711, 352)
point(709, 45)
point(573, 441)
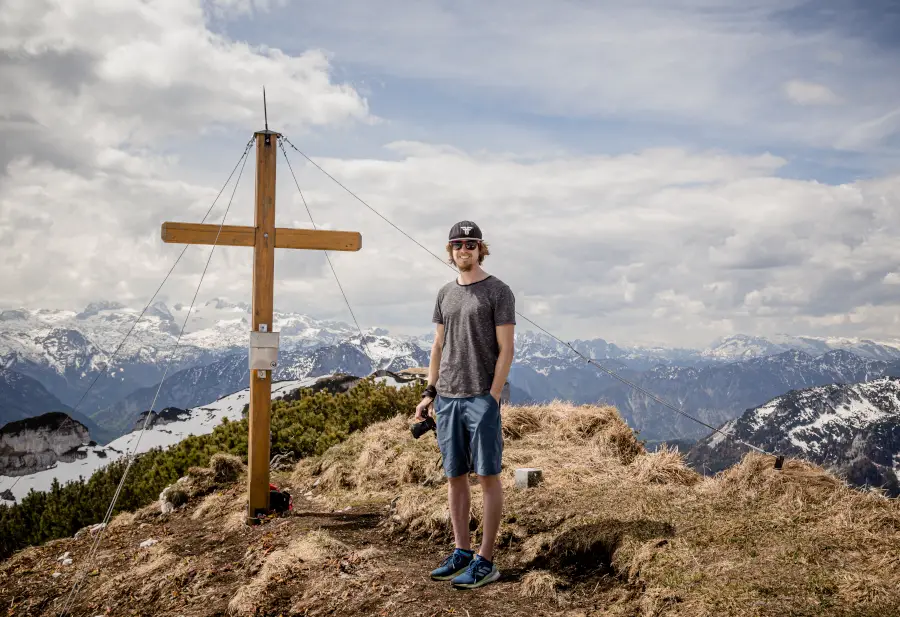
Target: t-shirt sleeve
point(437, 316)
point(505, 307)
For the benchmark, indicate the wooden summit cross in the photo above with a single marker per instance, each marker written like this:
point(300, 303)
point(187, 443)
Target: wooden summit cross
point(264, 237)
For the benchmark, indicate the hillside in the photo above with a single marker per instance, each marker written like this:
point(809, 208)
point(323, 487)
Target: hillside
point(852, 429)
point(612, 530)
point(88, 458)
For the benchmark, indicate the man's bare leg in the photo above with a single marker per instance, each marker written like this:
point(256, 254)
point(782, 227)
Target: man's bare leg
point(460, 502)
point(493, 510)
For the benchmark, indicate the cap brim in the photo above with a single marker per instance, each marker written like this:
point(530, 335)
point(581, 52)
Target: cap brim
point(464, 239)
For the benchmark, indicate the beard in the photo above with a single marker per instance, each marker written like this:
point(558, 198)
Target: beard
point(465, 266)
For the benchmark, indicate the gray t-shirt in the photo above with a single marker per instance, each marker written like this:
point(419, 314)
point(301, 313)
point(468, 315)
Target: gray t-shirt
point(470, 314)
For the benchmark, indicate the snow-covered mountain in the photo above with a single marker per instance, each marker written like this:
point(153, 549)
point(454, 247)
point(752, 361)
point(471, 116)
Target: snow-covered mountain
point(852, 429)
point(741, 347)
point(24, 397)
point(29, 445)
point(721, 392)
point(195, 385)
point(67, 350)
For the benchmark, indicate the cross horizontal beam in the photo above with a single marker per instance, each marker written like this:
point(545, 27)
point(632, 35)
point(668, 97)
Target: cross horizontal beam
point(238, 235)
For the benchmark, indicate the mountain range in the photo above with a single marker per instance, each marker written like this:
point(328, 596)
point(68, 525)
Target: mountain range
point(54, 356)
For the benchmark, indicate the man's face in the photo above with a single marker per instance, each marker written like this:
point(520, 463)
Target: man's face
point(465, 254)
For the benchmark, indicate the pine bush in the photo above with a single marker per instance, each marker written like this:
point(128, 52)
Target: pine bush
point(307, 425)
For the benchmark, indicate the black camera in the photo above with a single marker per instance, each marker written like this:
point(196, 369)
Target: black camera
point(420, 428)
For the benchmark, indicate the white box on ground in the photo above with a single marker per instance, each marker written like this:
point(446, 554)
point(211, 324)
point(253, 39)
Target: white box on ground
point(528, 477)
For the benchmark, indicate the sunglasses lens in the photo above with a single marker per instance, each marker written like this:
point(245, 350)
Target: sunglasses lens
point(469, 245)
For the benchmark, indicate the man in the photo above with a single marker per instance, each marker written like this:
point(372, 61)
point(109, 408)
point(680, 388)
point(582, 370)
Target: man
point(470, 361)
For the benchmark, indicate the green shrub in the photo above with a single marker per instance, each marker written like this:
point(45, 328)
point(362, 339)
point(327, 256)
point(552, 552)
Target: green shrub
point(306, 426)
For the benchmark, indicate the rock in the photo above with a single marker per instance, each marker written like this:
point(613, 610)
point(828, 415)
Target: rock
point(172, 497)
point(148, 543)
point(67, 562)
point(282, 462)
point(528, 477)
point(33, 444)
point(56, 574)
point(64, 556)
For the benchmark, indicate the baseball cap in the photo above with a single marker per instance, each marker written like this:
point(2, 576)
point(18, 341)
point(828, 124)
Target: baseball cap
point(465, 230)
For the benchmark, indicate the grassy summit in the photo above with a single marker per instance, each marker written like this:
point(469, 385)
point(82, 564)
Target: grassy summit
point(612, 530)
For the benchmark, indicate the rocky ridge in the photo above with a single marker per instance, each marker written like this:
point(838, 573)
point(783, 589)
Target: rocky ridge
point(27, 446)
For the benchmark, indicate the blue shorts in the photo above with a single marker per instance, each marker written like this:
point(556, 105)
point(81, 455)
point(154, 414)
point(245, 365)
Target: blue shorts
point(469, 435)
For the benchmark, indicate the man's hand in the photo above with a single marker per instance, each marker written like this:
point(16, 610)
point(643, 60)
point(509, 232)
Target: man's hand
point(422, 408)
point(496, 396)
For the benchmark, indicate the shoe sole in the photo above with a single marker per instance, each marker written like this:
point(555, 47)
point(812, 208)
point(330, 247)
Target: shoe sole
point(447, 577)
point(490, 578)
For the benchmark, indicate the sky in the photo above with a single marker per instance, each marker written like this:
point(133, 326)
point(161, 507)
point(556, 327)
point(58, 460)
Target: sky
point(660, 172)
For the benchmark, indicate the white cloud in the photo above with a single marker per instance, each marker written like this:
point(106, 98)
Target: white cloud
point(130, 74)
point(624, 247)
point(722, 71)
point(120, 116)
point(661, 245)
point(809, 93)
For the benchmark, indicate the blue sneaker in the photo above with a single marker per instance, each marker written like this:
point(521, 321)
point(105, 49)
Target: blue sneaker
point(480, 572)
point(453, 565)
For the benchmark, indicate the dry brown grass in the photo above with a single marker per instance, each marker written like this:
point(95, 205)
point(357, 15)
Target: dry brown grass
point(665, 466)
point(751, 541)
point(152, 566)
point(212, 506)
point(539, 584)
point(123, 519)
point(312, 547)
point(226, 468)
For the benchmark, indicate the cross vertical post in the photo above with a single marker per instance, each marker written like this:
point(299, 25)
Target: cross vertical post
point(264, 237)
point(259, 440)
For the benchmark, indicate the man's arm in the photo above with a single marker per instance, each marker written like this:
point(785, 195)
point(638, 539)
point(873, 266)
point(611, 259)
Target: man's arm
point(505, 339)
point(434, 366)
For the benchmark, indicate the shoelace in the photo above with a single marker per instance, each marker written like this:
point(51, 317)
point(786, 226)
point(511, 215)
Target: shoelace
point(478, 568)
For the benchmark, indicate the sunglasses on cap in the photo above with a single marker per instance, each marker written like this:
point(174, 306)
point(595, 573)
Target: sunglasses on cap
point(470, 245)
